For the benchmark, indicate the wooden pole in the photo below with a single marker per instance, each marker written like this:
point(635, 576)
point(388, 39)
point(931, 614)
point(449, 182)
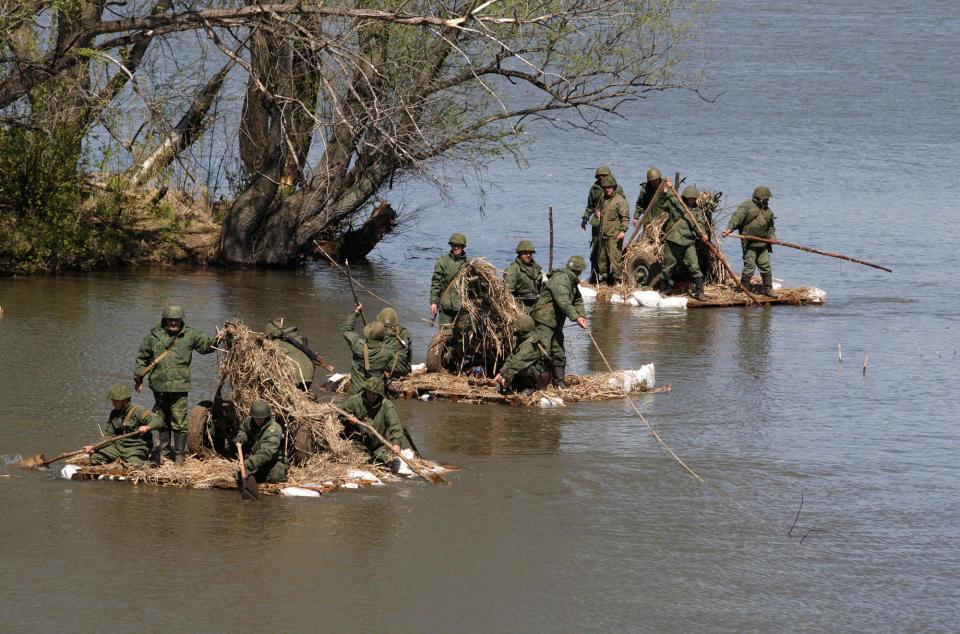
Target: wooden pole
point(653, 201)
point(716, 253)
point(550, 267)
point(356, 300)
point(797, 246)
point(38, 461)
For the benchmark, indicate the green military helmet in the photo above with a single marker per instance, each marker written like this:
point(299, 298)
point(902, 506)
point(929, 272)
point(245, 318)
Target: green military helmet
point(576, 264)
point(525, 245)
point(458, 238)
point(690, 192)
point(260, 409)
point(608, 181)
point(653, 174)
point(388, 317)
point(762, 193)
point(119, 392)
point(374, 331)
point(602, 171)
point(375, 384)
point(524, 323)
point(172, 310)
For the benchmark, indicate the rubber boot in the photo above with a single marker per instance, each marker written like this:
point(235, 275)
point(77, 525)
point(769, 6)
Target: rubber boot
point(179, 448)
point(768, 284)
point(698, 292)
point(746, 283)
point(559, 374)
point(664, 286)
point(162, 446)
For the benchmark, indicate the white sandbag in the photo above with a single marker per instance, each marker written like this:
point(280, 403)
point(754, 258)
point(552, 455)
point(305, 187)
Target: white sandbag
point(68, 470)
point(777, 286)
point(672, 302)
point(299, 492)
point(553, 401)
point(617, 299)
point(629, 381)
point(646, 376)
point(404, 469)
point(817, 295)
point(424, 397)
point(336, 378)
point(633, 301)
point(418, 367)
point(586, 291)
point(363, 476)
point(349, 485)
point(650, 299)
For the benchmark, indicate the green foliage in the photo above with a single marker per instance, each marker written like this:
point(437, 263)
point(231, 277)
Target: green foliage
point(45, 223)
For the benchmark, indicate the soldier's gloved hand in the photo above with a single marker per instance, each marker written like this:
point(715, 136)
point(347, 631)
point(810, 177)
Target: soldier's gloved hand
point(583, 225)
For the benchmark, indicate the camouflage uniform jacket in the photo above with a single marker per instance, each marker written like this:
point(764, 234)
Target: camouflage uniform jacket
point(172, 374)
point(683, 232)
point(370, 358)
point(646, 193)
point(560, 298)
point(382, 416)
point(129, 419)
point(523, 280)
point(286, 338)
point(398, 338)
point(442, 292)
point(527, 358)
point(752, 220)
point(593, 199)
point(262, 444)
point(615, 214)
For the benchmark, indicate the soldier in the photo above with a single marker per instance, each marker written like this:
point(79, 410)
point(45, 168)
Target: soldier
point(681, 241)
point(524, 276)
point(261, 437)
point(647, 190)
point(397, 337)
point(125, 418)
point(166, 353)
point(754, 218)
point(371, 356)
point(613, 213)
point(589, 215)
point(295, 347)
point(526, 369)
point(373, 408)
point(560, 299)
point(444, 299)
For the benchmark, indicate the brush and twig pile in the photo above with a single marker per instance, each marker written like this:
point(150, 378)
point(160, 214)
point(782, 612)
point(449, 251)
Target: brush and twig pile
point(719, 293)
point(491, 309)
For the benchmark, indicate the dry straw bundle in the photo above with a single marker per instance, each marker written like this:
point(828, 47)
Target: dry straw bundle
point(490, 308)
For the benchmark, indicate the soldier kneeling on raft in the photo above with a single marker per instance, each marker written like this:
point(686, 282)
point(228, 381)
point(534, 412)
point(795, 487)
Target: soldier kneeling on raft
point(125, 418)
point(375, 409)
point(528, 366)
point(261, 438)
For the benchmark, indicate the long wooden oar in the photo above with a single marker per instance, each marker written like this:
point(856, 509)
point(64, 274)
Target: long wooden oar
point(653, 201)
point(430, 476)
point(797, 246)
point(249, 489)
point(716, 253)
point(38, 461)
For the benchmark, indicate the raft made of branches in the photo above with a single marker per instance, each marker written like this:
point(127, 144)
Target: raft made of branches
point(718, 295)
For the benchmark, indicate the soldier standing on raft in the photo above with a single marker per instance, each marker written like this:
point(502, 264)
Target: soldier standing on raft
point(371, 355)
point(680, 243)
point(444, 299)
point(560, 300)
point(754, 218)
point(594, 196)
point(524, 277)
point(613, 213)
point(647, 190)
point(398, 338)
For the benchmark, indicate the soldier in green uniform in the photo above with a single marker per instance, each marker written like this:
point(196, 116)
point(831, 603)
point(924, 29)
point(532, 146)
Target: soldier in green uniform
point(526, 369)
point(125, 418)
point(371, 355)
point(261, 437)
point(373, 408)
point(681, 241)
point(754, 218)
point(397, 337)
point(295, 347)
point(647, 190)
point(170, 346)
point(590, 215)
point(444, 299)
point(524, 276)
point(613, 213)
point(560, 299)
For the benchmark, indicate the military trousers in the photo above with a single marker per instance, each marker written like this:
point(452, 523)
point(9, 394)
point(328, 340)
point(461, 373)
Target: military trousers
point(445, 317)
point(609, 259)
point(680, 253)
point(552, 339)
point(171, 407)
point(136, 456)
point(755, 257)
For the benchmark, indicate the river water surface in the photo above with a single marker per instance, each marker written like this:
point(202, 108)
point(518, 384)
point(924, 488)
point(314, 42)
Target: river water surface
point(575, 518)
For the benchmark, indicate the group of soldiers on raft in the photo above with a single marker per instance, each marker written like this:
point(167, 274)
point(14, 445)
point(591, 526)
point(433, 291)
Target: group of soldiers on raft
point(383, 350)
point(608, 214)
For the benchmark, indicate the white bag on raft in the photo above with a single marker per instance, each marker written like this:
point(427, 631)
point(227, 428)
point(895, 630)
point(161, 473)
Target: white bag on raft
point(633, 301)
point(617, 299)
point(363, 476)
point(650, 299)
point(68, 470)
point(553, 401)
point(587, 292)
point(672, 302)
point(299, 492)
point(817, 295)
point(418, 367)
point(634, 380)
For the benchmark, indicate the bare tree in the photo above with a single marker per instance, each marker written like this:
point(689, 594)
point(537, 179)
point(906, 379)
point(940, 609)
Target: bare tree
point(342, 98)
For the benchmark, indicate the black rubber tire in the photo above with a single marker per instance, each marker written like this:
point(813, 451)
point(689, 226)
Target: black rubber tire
point(438, 349)
point(303, 446)
point(644, 270)
point(197, 426)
